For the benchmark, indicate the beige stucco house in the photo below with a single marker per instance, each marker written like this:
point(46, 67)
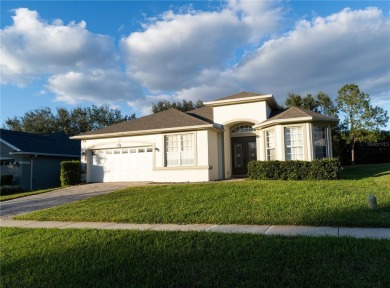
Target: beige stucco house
point(210, 143)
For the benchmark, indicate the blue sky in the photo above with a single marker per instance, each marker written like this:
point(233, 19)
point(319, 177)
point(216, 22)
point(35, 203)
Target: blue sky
point(130, 54)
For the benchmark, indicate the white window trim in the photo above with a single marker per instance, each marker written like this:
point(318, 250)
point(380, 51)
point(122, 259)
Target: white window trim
point(265, 143)
point(303, 140)
point(194, 138)
point(326, 140)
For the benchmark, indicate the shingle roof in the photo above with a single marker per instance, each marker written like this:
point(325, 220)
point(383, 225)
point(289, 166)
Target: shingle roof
point(171, 118)
point(294, 113)
point(297, 112)
point(243, 94)
point(55, 143)
point(204, 113)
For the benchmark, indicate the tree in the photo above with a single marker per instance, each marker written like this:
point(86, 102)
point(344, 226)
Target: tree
point(361, 120)
point(70, 122)
point(181, 106)
point(321, 103)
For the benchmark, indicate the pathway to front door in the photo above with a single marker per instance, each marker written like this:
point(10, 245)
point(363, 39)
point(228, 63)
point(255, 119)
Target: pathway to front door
point(243, 151)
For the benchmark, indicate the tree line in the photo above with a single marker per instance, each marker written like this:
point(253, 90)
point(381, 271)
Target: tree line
point(71, 122)
point(359, 126)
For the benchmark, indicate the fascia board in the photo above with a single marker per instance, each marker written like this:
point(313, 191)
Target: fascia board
point(9, 144)
point(240, 100)
point(144, 132)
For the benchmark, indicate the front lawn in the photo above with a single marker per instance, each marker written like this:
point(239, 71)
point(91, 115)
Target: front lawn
point(313, 203)
point(103, 258)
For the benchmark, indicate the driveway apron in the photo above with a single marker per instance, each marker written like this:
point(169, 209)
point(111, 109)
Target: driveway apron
point(58, 197)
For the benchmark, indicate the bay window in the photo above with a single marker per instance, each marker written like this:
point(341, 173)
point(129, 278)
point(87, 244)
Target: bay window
point(294, 143)
point(320, 142)
point(270, 144)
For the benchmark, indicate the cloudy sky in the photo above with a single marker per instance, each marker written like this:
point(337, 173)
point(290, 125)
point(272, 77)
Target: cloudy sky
point(132, 54)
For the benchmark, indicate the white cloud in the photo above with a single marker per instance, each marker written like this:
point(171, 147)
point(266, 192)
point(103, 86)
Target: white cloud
point(177, 47)
point(325, 53)
point(32, 47)
point(95, 86)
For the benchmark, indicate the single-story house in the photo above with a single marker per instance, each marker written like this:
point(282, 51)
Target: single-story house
point(34, 159)
point(213, 142)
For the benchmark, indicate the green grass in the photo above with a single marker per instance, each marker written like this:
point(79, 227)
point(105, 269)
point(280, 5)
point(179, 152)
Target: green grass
point(314, 203)
point(102, 258)
point(24, 194)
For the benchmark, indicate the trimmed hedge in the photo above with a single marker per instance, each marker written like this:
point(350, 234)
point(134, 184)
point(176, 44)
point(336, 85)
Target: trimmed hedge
point(6, 180)
point(70, 173)
point(324, 169)
point(9, 190)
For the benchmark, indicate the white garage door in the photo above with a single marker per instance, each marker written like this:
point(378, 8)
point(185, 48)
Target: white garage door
point(121, 164)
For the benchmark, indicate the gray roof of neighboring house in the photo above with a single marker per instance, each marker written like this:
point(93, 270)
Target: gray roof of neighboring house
point(171, 118)
point(243, 94)
point(50, 144)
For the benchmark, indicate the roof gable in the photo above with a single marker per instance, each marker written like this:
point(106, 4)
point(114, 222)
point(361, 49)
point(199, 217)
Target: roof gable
point(296, 114)
point(244, 97)
point(243, 94)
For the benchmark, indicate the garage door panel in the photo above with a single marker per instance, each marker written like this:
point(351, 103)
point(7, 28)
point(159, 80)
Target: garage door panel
point(118, 165)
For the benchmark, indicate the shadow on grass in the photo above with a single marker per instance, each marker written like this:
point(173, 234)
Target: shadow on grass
point(91, 258)
point(357, 172)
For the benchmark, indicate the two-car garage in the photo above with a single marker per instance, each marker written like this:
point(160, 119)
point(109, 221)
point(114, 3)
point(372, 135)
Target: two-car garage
point(121, 164)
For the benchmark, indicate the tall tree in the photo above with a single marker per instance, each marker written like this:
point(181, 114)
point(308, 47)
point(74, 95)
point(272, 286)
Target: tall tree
point(70, 122)
point(360, 118)
point(321, 103)
point(181, 106)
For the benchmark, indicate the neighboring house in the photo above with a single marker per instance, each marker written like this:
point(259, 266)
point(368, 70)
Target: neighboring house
point(34, 159)
point(213, 142)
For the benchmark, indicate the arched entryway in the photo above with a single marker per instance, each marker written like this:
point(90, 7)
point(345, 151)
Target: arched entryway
point(243, 144)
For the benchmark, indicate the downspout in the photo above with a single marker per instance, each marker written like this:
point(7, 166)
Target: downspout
point(31, 171)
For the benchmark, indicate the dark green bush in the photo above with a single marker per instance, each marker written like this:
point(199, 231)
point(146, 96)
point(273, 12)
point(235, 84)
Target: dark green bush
point(324, 169)
point(8, 190)
point(6, 180)
point(70, 173)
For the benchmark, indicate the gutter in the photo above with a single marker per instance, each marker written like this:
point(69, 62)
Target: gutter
point(146, 132)
point(43, 154)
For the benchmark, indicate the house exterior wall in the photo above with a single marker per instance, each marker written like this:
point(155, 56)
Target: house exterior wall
point(198, 172)
point(253, 112)
point(46, 172)
point(213, 155)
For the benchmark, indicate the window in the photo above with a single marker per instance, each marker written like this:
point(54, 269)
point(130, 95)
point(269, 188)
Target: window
point(270, 144)
point(149, 149)
point(141, 150)
point(294, 143)
point(320, 142)
point(243, 129)
point(179, 150)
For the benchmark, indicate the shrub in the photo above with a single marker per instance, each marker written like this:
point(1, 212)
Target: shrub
point(8, 190)
point(70, 173)
point(324, 169)
point(6, 180)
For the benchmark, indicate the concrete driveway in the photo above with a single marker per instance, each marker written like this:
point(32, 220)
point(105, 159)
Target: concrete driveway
point(58, 197)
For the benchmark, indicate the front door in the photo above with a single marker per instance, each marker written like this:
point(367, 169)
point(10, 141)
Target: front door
point(243, 151)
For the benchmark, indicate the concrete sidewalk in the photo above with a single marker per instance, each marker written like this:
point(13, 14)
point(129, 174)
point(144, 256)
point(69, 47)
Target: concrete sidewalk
point(374, 233)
